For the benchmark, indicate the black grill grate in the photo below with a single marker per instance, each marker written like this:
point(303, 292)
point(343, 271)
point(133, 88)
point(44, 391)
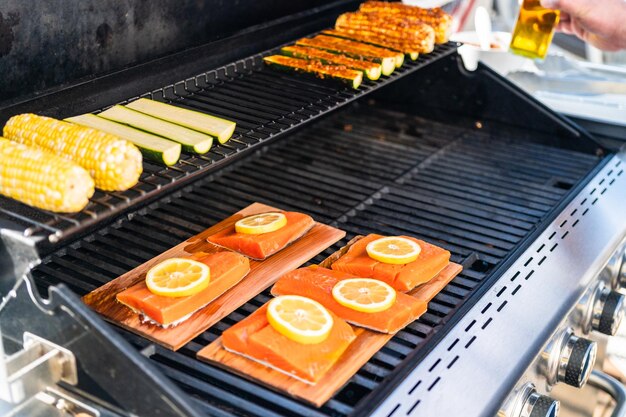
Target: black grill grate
point(263, 102)
point(365, 169)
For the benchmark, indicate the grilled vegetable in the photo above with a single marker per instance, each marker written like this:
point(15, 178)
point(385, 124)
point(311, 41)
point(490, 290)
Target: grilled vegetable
point(218, 128)
point(191, 140)
point(439, 20)
point(335, 72)
point(152, 147)
point(42, 179)
point(410, 49)
point(400, 29)
point(114, 163)
point(371, 69)
point(388, 59)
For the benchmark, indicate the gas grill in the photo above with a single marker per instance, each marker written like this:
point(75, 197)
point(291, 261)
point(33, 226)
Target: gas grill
point(526, 201)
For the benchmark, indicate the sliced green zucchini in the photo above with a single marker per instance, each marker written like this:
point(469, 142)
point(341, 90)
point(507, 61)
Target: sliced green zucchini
point(374, 73)
point(399, 60)
point(191, 140)
point(371, 38)
point(389, 65)
point(218, 128)
point(152, 147)
point(388, 62)
point(334, 72)
point(371, 69)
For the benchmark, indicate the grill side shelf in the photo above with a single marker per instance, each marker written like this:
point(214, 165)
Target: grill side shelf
point(265, 104)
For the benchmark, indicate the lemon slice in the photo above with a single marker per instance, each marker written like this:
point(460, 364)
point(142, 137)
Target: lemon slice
point(364, 294)
point(300, 319)
point(261, 223)
point(178, 277)
point(393, 250)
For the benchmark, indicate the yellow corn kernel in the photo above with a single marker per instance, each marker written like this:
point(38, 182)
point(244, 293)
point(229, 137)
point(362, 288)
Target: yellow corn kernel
point(41, 179)
point(114, 163)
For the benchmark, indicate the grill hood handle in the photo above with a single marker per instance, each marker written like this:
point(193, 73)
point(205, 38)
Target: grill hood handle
point(613, 387)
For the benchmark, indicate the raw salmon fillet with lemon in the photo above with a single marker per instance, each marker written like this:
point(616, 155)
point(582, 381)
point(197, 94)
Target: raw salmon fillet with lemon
point(167, 309)
point(251, 236)
point(256, 338)
point(429, 262)
point(317, 283)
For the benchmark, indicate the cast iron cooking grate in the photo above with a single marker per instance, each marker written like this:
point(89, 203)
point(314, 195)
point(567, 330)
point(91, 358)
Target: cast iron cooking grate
point(263, 102)
point(365, 170)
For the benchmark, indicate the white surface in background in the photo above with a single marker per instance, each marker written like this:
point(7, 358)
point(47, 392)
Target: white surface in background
point(607, 108)
point(582, 89)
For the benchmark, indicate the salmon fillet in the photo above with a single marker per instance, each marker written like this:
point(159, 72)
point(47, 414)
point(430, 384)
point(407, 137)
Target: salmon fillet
point(317, 283)
point(256, 339)
point(227, 269)
point(265, 244)
point(431, 260)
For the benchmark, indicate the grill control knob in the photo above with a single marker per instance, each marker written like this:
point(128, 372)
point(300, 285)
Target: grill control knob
point(608, 312)
point(576, 361)
point(537, 405)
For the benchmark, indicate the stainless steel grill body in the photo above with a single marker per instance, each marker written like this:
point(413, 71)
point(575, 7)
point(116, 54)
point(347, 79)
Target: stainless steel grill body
point(438, 154)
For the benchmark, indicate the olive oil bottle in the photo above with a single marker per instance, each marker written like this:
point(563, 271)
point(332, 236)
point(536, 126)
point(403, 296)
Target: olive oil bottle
point(534, 30)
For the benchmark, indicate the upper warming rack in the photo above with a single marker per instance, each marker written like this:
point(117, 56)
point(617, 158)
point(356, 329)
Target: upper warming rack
point(263, 103)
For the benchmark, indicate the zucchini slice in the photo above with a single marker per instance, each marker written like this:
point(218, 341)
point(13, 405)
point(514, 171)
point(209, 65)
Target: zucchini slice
point(375, 39)
point(191, 140)
point(152, 147)
point(218, 128)
point(371, 69)
point(335, 72)
point(356, 49)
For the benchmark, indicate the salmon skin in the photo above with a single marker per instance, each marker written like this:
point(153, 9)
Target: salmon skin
point(257, 340)
point(317, 284)
point(227, 269)
point(263, 245)
point(404, 277)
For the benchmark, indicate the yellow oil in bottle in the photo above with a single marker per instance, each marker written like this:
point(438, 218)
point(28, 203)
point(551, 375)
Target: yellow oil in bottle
point(534, 30)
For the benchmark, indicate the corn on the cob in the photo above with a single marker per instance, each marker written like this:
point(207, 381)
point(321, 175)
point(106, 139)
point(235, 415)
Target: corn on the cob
point(41, 179)
point(114, 163)
point(440, 21)
point(393, 26)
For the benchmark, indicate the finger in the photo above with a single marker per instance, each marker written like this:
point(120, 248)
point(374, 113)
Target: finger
point(566, 27)
point(565, 17)
point(578, 30)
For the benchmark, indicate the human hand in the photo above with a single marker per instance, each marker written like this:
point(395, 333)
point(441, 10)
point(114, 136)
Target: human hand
point(598, 22)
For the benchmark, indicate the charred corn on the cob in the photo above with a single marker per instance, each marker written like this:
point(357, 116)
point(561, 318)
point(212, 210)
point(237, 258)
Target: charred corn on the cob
point(114, 163)
point(393, 26)
point(438, 19)
point(41, 179)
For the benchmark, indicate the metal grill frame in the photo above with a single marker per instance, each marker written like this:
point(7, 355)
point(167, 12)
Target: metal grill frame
point(549, 120)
